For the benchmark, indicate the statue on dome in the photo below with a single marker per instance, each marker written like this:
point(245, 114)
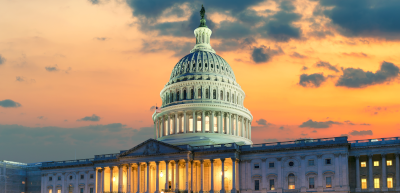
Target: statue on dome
point(202, 20)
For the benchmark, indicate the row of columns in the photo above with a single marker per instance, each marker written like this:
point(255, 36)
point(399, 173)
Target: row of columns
point(189, 183)
point(370, 181)
point(168, 125)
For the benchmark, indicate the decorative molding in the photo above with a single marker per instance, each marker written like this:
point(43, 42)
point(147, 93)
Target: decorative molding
point(279, 158)
point(319, 155)
point(303, 157)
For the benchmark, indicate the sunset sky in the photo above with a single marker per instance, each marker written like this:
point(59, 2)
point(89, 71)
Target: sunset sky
point(83, 76)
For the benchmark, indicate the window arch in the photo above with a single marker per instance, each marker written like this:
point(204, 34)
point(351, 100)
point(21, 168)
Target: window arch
point(291, 181)
point(167, 98)
point(199, 93)
point(172, 97)
point(222, 95)
point(184, 94)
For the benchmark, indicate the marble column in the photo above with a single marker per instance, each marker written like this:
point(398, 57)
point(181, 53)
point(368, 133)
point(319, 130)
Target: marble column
point(194, 121)
point(242, 127)
point(302, 175)
point(148, 177)
point(279, 182)
point(169, 126)
point(187, 175)
point(320, 175)
point(129, 179)
point(138, 177)
point(177, 175)
point(162, 127)
point(203, 121)
point(157, 177)
point(249, 130)
point(220, 122)
point(222, 176)
point(176, 123)
point(103, 183)
point(370, 182)
point(166, 175)
point(264, 168)
point(201, 176)
point(212, 176)
point(337, 171)
point(191, 175)
point(236, 125)
point(185, 125)
point(111, 179)
point(358, 181)
point(120, 178)
point(234, 174)
point(384, 176)
point(212, 122)
point(397, 171)
point(86, 182)
point(230, 124)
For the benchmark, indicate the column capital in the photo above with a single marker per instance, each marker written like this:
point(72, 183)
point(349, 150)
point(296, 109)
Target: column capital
point(279, 158)
point(222, 159)
point(303, 157)
point(177, 161)
point(357, 156)
point(397, 154)
point(383, 155)
point(158, 162)
point(336, 154)
point(201, 161)
point(167, 161)
point(319, 155)
point(370, 155)
point(263, 159)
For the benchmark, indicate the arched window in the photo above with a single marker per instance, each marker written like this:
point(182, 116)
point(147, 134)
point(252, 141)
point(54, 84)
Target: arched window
point(184, 94)
point(192, 93)
point(291, 181)
point(207, 94)
point(222, 95)
point(227, 96)
point(214, 94)
point(199, 93)
point(237, 100)
point(167, 98)
point(172, 97)
point(233, 98)
point(177, 96)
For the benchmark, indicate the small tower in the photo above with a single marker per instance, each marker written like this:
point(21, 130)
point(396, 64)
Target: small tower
point(202, 34)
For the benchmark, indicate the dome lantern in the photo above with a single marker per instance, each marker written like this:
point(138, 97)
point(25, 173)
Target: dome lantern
point(203, 35)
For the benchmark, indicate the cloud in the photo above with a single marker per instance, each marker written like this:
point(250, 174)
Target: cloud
point(19, 79)
point(94, 1)
point(263, 54)
point(304, 68)
point(2, 60)
point(297, 55)
point(326, 65)
point(312, 80)
point(9, 104)
point(319, 125)
point(358, 55)
point(370, 18)
point(57, 143)
point(52, 68)
point(271, 140)
point(152, 108)
point(358, 78)
point(180, 48)
point(42, 118)
point(90, 118)
point(101, 38)
point(261, 122)
point(361, 133)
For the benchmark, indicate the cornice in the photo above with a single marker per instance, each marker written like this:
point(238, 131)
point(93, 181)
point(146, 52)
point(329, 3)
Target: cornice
point(203, 83)
point(294, 148)
point(375, 146)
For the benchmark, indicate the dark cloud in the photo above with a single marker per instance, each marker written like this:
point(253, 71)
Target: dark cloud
point(271, 140)
point(57, 143)
point(180, 48)
point(319, 125)
point(312, 80)
point(9, 104)
point(52, 68)
point(297, 55)
point(101, 38)
point(326, 65)
point(280, 27)
point(354, 54)
point(152, 108)
point(261, 122)
point(90, 118)
point(94, 1)
point(358, 78)
point(368, 18)
point(263, 54)
point(361, 133)
point(42, 117)
point(2, 60)
point(19, 79)
point(304, 68)
point(23, 79)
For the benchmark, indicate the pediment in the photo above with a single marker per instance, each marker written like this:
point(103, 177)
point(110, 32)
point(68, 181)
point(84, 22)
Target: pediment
point(151, 147)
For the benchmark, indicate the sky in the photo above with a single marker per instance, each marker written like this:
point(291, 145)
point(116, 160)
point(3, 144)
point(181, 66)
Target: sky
point(80, 78)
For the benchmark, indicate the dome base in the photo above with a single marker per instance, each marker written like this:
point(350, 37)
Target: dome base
point(200, 139)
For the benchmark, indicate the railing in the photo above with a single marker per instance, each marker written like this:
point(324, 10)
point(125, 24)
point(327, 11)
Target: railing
point(106, 156)
point(377, 141)
point(228, 145)
point(68, 162)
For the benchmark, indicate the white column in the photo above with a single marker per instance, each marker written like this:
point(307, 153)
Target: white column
point(230, 124)
point(187, 175)
point(201, 175)
point(280, 174)
point(249, 130)
point(176, 123)
point(86, 183)
point(337, 171)
point(194, 121)
point(212, 176)
point(162, 127)
point(233, 175)
point(103, 183)
point(264, 173)
point(222, 176)
point(185, 125)
point(397, 171)
point(97, 181)
point(166, 175)
point(345, 169)
point(148, 177)
point(242, 127)
point(320, 175)
point(370, 182)
point(249, 174)
point(172, 176)
point(302, 175)
point(203, 121)
point(236, 125)
point(120, 178)
point(220, 122)
point(111, 179)
point(358, 182)
point(177, 175)
point(169, 125)
point(138, 177)
point(384, 177)
point(212, 122)
point(157, 177)
point(129, 178)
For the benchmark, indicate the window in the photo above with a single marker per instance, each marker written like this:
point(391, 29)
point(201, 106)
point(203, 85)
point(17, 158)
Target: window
point(256, 184)
point(390, 182)
point(227, 96)
point(207, 94)
point(184, 94)
point(256, 166)
point(233, 98)
point(177, 96)
point(291, 181)
point(82, 177)
point(192, 93)
point(271, 164)
point(389, 162)
point(363, 183)
point(70, 177)
point(328, 161)
point(59, 178)
point(199, 93)
point(214, 94)
point(376, 183)
point(59, 191)
point(23, 182)
point(310, 162)
point(328, 182)
point(91, 190)
point(50, 191)
point(222, 95)
point(271, 184)
point(376, 163)
point(50, 178)
point(81, 190)
point(291, 163)
point(363, 164)
point(311, 183)
point(91, 176)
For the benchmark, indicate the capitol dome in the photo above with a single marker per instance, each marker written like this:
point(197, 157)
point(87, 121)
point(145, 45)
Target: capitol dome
point(202, 104)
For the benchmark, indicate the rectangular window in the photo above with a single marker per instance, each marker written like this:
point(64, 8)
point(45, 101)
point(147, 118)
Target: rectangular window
point(271, 164)
point(70, 177)
point(190, 124)
point(58, 191)
point(91, 190)
point(363, 183)
point(390, 182)
point(198, 126)
point(376, 163)
point(328, 161)
point(310, 162)
point(271, 184)
point(256, 184)
point(311, 183)
point(389, 162)
point(215, 124)
point(91, 176)
point(291, 183)
point(50, 191)
point(81, 190)
point(50, 178)
point(82, 177)
point(256, 166)
point(328, 182)
point(59, 178)
point(376, 183)
point(363, 164)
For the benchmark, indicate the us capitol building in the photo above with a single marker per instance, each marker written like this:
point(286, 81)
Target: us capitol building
point(202, 144)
